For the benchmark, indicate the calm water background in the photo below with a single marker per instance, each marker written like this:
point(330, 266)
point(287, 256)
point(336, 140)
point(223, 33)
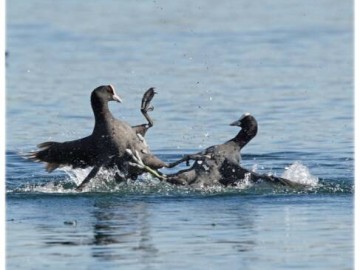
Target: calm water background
point(289, 63)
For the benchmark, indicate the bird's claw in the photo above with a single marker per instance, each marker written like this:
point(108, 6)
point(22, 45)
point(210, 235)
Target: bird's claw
point(148, 96)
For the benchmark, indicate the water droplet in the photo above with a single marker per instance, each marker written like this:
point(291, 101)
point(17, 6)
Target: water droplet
point(71, 222)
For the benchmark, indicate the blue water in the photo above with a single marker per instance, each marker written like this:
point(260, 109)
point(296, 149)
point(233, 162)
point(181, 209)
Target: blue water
point(289, 63)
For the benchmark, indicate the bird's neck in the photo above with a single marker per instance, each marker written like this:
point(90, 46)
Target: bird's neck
point(101, 111)
point(243, 137)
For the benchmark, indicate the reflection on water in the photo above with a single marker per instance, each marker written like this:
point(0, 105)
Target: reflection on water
point(119, 230)
point(179, 231)
point(126, 229)
point(115, 232)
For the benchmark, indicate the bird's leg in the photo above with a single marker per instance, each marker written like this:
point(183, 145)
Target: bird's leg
point(140, 164)
point(145, 105)
point(87, 179)
point(144, 108)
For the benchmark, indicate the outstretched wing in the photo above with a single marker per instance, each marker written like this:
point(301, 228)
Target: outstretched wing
point(78, 154)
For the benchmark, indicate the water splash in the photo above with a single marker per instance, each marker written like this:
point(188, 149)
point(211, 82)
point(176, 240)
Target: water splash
point(105, 182)
point(50, 187)
point(300, 174)
point(76, 175)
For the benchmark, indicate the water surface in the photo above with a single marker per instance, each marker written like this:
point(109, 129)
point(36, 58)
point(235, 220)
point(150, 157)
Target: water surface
point(289, 63)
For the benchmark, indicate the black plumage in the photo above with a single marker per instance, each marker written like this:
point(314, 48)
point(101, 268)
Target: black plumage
point(220, 164)
point(107, 145)
point(215, 164)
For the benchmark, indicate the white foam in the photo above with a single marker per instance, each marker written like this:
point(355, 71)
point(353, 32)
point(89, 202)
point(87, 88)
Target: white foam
point(299, 173)
point(46, 188)
point(105, 177)
point(76, 175)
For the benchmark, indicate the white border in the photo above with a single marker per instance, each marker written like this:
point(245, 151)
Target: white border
point(2, 130)
point(357, 132)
